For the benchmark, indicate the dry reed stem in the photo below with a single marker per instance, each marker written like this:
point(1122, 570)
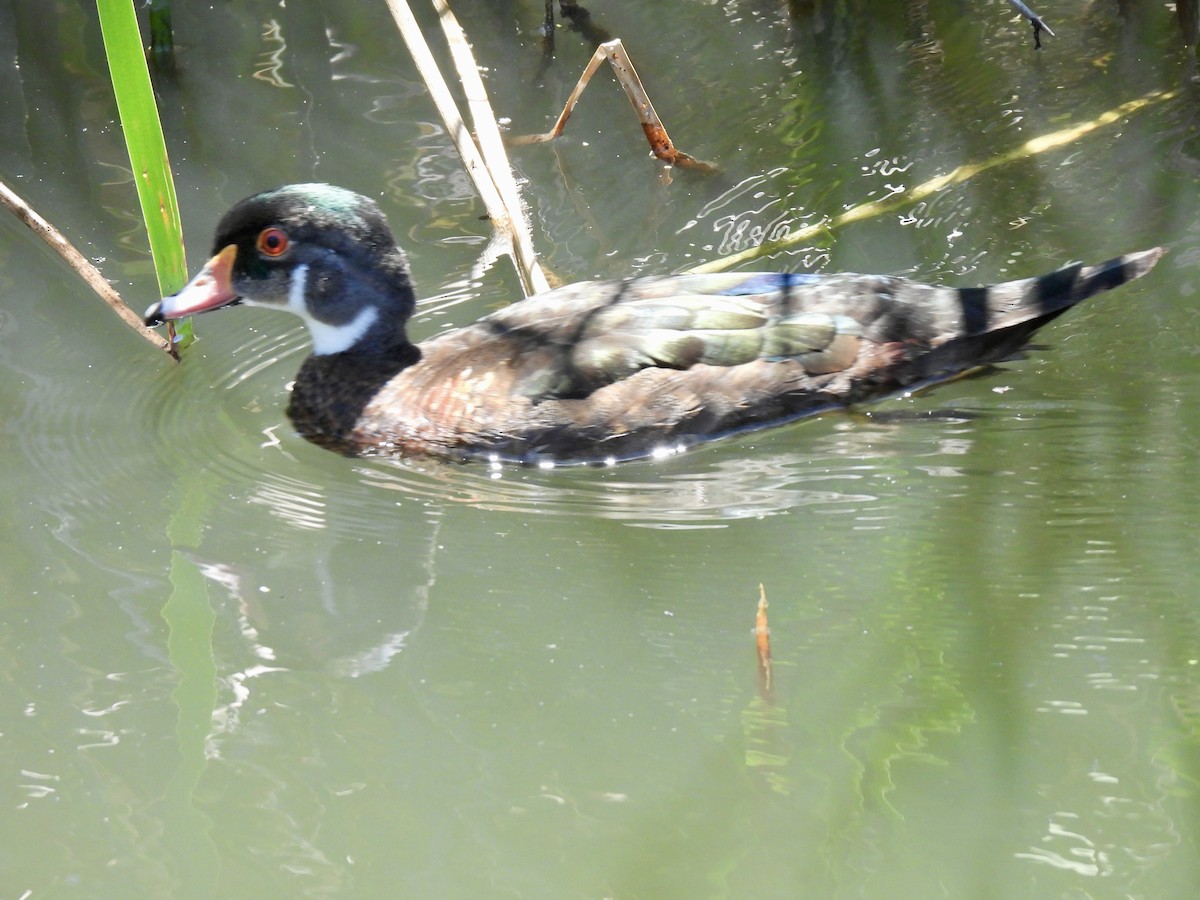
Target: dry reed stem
point(491, 144)
point(503, 206)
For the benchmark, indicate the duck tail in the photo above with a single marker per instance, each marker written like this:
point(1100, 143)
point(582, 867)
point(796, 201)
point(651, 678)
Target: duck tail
point(1103, 277)
point(1038, 300)
point(998, 321)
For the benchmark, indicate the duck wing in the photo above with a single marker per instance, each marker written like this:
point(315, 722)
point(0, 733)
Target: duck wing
point(592, 334)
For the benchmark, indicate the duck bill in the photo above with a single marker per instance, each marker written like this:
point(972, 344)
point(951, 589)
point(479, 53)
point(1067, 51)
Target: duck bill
point(212, 288)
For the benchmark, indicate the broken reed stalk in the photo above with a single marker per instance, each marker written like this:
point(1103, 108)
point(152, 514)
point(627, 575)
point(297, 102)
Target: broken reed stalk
point(76, 260)
point(904, 198)
point(502, 202)
point(656, 133)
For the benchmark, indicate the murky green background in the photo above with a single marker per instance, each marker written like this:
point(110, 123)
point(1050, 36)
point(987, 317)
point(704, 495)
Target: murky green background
point(234, 665)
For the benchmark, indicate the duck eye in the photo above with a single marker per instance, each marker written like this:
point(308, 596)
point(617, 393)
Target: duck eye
point(272, 242)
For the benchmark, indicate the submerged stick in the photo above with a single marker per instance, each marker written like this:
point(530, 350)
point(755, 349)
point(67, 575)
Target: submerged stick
point(764, 722)
point(904, 198)
point(762, 640)
point(656, 133)
point(76, 260)
point(510, 221)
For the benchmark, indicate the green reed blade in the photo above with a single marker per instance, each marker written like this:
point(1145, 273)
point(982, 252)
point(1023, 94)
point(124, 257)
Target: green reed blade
point(144, 140)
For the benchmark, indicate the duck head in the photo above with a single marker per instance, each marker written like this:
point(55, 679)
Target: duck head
point(319, 251)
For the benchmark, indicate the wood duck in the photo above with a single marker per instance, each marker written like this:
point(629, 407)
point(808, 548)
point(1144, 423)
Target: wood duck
point(598, 371)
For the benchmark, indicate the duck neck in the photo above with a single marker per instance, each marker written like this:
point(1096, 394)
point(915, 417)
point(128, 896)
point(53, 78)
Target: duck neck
point(332, 390)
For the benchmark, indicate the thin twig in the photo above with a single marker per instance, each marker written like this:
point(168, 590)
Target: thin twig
point(76, 260)
point(506, 220)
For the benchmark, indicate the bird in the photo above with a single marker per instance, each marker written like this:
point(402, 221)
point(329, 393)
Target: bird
point(595, 372)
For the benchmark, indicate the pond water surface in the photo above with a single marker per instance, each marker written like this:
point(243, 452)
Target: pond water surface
point(235, 665)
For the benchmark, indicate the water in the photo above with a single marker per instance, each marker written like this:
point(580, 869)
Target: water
point(232, 664)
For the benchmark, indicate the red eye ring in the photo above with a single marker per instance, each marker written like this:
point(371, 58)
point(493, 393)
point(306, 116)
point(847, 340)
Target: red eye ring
point(273, 242)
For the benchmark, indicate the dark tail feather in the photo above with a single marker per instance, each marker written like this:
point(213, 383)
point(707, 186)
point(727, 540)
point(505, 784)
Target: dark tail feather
point(1111, 274)
point(1000, 320)
point(1002, 306)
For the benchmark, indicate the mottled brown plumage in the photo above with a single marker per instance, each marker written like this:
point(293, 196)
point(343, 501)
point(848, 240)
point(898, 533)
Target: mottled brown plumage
point(596, 371)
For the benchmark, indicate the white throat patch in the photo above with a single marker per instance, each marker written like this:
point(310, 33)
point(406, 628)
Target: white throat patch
point(326, 338)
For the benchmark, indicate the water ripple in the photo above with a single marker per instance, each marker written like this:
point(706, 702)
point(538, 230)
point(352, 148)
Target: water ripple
point(710, 493)
point(210, 407)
